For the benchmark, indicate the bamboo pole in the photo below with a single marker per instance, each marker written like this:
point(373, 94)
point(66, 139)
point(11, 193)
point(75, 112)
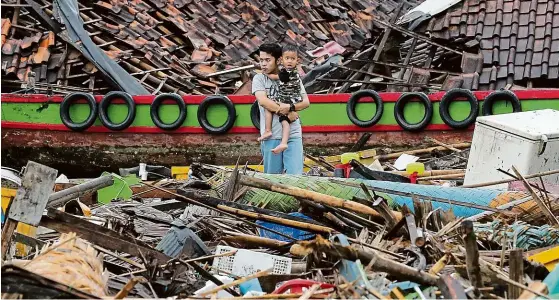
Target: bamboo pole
point(439, 177)
point(296, 224)
point(420, 151)
point(510, 180)
point(449, 147)
point(312, 196)
point(60, 198)
point(253, 240)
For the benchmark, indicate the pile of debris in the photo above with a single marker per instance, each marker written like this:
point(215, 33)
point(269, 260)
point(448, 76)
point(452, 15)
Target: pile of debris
point(356, 231)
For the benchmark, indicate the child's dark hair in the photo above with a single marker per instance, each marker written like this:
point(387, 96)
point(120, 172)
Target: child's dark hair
point(290, 48)
point(271, 48)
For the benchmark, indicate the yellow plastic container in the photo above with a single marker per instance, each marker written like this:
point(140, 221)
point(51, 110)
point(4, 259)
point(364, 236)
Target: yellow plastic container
point(415, 167)
point(549, 258)
point(22, 228)
point(347, 157)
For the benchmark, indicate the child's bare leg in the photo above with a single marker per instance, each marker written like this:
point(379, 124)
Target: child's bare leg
point(285, 129)
point(268, 126)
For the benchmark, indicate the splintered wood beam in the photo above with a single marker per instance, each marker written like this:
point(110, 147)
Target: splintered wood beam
point(407, 59)
point(379, 263)
point(516, 272)
point(472, 255)
point(413, 34)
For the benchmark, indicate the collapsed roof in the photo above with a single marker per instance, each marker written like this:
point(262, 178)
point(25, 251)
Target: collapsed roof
point(182, 46)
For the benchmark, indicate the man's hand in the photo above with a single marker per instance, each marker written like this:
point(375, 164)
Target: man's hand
point(283, 109)
point(293, 116)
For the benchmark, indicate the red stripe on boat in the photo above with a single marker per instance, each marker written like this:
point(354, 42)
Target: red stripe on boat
point(249, 99)
point(238, 129)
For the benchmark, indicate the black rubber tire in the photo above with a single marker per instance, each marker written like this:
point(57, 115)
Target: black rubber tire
point(452, 95)
point(65, 111)
point(354, 99)
point(154, 111)
point(404, 99)
point(103, 110)
point(489, 101)
point(203, 109)
point(255, 115)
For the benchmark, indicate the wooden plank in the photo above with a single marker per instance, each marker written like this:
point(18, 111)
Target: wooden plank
point(7, 233)
point(73, 220)
point(516, 272)
point(103, 240)
point(407, 59)
point(472, 255)
point(32, 196)
point(361, 142)
point(27, 240)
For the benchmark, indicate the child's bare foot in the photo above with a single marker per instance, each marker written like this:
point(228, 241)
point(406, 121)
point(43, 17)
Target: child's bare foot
point(279, 149)
point(265, 136)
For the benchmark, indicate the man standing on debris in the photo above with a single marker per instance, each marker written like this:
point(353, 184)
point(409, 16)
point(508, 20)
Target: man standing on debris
point(265, 89)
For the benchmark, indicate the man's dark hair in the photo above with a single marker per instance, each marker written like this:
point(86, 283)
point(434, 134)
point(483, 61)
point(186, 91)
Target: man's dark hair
point(290, 48)
point(271, 48)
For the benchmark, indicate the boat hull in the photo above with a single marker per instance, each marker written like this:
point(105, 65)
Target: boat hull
point(32, 130)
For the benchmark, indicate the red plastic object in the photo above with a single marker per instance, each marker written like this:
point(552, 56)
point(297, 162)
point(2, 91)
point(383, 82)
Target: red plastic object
point(346, 168)
point(297, 285)
point(413, 178)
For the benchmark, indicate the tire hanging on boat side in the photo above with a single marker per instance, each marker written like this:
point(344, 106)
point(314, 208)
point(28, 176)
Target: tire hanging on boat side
point(154, 111)
point(255, 115)
point(489, 101)
point(404, 99)
point(104, 106)
point(65, 111)
point(452, 95)
point(352, 103)
point(203, 110)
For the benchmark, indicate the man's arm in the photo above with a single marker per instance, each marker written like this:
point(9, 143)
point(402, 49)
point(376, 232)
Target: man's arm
point(259, 91)
point(303, 104)
point(270, 105)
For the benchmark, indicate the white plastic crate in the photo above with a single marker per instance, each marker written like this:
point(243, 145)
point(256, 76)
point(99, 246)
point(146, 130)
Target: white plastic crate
point(247, 262)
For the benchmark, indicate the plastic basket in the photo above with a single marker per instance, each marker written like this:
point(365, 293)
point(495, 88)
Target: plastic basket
point(247, 262)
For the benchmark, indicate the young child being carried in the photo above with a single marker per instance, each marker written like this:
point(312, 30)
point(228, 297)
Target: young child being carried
point(289, 92)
